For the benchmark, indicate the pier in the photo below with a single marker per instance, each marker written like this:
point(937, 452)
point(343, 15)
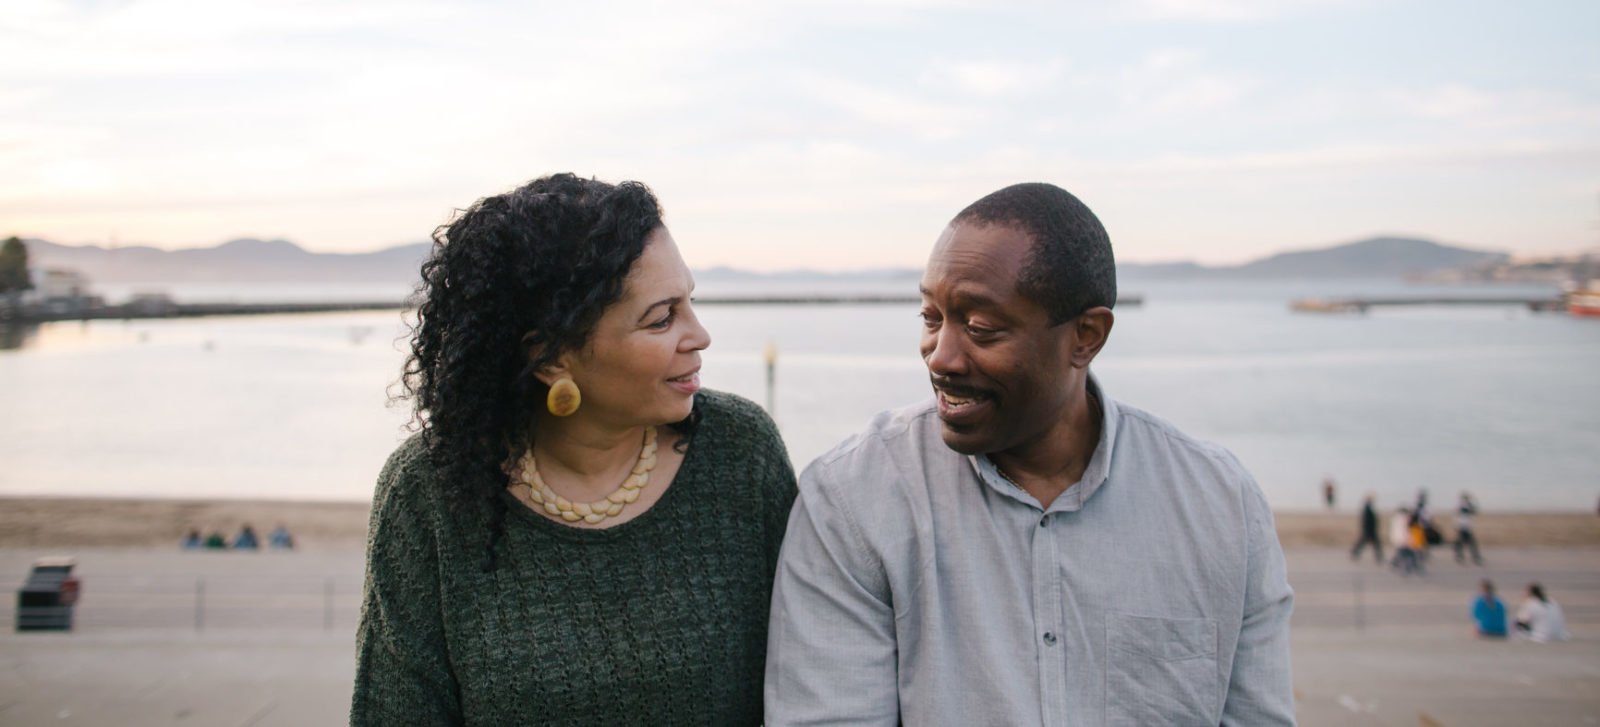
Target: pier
point(167, 309)
point(1122, 300)
point(157, 307)
point(1362, 305)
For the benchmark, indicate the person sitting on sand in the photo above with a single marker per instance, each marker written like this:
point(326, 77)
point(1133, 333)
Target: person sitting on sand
point(1489, 613)
point(1539, 618)
point(192, 540)
point(215, 541)
point(280, 539)
point(246, 539)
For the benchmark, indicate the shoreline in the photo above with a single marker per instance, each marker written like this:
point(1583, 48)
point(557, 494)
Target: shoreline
point(33, 521)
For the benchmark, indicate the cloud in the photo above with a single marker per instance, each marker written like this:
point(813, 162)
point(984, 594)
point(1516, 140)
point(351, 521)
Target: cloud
point(884, 109)
point(994, 78)
point(1220, 11)
point(1175, 82)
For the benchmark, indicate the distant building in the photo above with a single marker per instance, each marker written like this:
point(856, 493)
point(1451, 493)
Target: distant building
point(151, 304)
point(60, 291)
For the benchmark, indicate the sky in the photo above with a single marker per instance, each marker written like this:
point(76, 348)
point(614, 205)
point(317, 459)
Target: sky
point(821, 134)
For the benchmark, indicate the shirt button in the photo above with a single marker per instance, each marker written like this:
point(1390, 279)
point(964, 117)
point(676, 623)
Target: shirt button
point(1044, 521)
point(1050, 638)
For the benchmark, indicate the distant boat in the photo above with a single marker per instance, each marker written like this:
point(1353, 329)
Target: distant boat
point(1584, 302)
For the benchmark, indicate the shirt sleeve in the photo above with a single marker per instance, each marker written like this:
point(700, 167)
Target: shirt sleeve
point(831, 657)
point(1261, 687)
point(403, 673)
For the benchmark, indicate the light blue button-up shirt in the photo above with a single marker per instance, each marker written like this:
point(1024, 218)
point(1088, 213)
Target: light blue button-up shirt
point(918, 585)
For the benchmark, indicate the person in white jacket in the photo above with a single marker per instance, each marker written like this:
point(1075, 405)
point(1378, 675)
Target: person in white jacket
point(1405, 557)
point(1539, 618)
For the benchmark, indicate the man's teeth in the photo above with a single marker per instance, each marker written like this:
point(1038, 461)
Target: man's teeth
point(954, 400)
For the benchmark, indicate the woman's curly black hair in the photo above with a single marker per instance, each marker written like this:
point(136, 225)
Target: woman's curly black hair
point(513, 282)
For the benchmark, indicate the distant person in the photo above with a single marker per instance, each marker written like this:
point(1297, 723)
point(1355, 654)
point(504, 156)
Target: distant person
point(192, 540)
point(1329, 491)
point(1489, 612)
point(280, 539)
point(1369, 532)
point(1464, 537)
point(246, 539)
point(1418, 536)
point(1539, 618)
point(1405, 559)
point(216, 541)
point(1424, 517)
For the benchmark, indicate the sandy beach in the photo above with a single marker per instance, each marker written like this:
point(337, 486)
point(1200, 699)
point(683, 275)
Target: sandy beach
point(222, 637)
point(166, 637)
point(98, 522)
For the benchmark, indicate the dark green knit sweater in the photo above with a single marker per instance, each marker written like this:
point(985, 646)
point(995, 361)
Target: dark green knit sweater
point(661, 620)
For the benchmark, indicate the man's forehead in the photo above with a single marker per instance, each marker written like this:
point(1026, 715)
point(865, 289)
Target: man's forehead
point(985, 238)
point(966, 250)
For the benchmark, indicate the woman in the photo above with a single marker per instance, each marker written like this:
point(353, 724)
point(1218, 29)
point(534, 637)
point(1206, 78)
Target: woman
point(1539, 618)
point(578, 534)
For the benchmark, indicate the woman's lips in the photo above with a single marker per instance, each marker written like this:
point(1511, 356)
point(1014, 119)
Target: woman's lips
point(688, 383)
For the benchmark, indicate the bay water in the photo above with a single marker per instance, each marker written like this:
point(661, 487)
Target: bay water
point(1496, 400)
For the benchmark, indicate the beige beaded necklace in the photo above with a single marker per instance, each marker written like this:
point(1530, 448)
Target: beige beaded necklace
point(599, 510)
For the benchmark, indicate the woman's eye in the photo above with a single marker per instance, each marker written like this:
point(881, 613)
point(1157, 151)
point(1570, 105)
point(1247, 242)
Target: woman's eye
point(665, 321)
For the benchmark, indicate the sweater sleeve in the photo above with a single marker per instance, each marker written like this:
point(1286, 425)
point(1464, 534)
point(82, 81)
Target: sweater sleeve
point(780, 489)
point(403, 673)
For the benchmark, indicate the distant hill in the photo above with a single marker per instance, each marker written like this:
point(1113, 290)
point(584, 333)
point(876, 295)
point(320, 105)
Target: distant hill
point(243, 261)
point(1378, 257)
point(281, 261)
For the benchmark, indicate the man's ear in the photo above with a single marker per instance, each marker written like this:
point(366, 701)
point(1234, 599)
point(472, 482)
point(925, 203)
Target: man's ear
point(1090, 332)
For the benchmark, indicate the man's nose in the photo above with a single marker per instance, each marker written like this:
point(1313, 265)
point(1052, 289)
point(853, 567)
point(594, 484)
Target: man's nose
point(943, 351)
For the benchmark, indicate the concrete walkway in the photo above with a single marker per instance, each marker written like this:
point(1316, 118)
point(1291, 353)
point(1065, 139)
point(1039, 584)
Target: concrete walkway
point(275, 644)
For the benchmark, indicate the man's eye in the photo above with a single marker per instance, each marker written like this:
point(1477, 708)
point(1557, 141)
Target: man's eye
point(928, 319)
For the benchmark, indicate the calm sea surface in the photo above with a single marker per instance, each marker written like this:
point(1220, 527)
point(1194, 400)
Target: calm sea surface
point(1499, 401)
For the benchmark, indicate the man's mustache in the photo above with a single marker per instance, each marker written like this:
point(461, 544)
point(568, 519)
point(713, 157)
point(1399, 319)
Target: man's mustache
point(954, 388)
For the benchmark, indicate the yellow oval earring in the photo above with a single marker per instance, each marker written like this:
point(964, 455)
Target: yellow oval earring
point(564, 397)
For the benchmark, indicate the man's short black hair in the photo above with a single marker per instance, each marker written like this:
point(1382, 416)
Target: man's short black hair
point(1069, 268)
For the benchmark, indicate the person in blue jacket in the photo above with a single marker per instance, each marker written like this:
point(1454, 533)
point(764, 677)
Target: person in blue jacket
point(1489, 613)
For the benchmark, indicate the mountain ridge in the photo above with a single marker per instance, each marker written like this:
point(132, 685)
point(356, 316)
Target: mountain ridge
point(248, 260)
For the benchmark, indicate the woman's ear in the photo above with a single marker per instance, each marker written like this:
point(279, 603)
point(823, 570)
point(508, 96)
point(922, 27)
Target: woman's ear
point(533, 347)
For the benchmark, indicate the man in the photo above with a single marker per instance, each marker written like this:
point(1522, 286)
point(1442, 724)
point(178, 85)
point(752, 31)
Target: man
point(1489, 613)
point(1024, 550)
point(1369, 532)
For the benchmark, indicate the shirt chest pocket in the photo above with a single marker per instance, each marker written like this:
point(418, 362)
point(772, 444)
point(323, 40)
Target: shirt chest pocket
point(1160, 671)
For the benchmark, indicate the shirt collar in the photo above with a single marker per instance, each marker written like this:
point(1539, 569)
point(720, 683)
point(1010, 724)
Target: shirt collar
point(1094, 476)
